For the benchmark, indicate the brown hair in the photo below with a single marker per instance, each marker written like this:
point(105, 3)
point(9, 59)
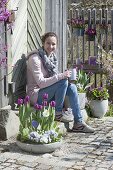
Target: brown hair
point(48, 34)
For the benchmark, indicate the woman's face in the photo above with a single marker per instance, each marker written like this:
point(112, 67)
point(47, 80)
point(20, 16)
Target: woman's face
point(50, 44)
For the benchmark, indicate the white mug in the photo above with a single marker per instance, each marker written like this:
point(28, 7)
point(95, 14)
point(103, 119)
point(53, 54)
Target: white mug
point(73, 74)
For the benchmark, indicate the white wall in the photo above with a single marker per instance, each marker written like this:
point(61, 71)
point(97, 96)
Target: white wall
point(19, 36)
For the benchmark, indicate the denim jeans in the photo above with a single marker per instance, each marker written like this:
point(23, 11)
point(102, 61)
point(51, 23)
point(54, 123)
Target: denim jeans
point(57, 92)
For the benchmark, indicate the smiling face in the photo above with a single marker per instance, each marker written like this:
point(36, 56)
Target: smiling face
point(50, 44)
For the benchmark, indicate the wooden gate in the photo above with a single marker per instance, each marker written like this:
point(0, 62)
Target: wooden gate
point(83, 51)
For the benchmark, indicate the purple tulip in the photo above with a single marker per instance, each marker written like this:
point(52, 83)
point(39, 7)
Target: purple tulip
point(27, 99)
point(44, 103)
point(45, 96)
point(52, 104)
point(38, 107)
point(35, 123)
point(20, 101)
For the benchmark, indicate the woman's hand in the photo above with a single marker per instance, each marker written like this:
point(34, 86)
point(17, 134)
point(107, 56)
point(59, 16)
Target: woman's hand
point(67, 73)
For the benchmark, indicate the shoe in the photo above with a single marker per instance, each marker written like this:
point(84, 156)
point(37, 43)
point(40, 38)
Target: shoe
point(83, 128)
point(63, 117)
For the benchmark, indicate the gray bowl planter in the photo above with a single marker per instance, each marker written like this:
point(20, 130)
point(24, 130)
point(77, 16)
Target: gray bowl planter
point(39, 148)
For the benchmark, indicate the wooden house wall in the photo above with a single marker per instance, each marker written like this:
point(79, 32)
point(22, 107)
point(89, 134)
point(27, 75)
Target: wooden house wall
point(32, 19)
point(35, 23)
point(19, 31)
point(3, 69)
point(56, 21)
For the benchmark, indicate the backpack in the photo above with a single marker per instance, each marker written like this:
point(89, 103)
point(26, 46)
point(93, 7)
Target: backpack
point(19, 77)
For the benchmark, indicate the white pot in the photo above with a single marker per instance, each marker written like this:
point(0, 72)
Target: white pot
point(84, 115)
point(82, 100)
point(39, 148)
point(99, 108)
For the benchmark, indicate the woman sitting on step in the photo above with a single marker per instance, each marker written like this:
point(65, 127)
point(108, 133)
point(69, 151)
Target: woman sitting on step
point(43, 77)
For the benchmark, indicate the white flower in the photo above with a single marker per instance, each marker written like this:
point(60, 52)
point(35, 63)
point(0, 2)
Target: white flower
point(49, 139)
point(47, 132)
point(36, 139)
point(53, 133)
point(31, 138)
point(34, 135)
point(46, 113)
point(44, 139)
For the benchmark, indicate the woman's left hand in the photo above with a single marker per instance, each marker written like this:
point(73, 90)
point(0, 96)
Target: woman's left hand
point(67, 73)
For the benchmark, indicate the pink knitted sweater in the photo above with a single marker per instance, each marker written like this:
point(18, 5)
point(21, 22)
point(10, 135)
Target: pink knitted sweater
point(37, 77)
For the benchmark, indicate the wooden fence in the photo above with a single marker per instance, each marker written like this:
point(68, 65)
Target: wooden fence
point(80, 51)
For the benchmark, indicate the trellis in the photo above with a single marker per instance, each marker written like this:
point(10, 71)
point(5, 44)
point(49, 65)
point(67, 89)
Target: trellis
point(80, 50)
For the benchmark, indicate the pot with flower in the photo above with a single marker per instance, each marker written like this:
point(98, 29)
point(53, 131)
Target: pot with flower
point(78, 26)
point(90, 34)
point(98, 101)
point(38, 132)
point(82, 83)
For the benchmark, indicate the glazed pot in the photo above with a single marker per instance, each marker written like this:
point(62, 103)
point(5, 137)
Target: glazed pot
point(99, 108)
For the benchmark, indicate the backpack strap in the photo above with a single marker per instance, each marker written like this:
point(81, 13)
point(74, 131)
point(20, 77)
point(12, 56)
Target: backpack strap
point(31, 53)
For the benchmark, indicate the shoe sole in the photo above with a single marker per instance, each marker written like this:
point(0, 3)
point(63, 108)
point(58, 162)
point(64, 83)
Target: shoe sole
point(81, 131)
point(65, 121)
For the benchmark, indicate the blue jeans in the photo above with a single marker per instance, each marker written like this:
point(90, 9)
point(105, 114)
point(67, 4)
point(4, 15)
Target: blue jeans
point(57, 92)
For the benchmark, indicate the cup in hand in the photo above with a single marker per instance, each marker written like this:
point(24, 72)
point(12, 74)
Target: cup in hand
point(73, 74)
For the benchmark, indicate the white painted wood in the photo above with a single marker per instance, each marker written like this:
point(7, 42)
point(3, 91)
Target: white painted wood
point(3, 70)
point(35, 23)
point(56, 21)
point(19, 36)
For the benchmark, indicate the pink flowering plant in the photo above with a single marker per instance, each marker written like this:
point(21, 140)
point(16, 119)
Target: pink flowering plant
point(90, 32)
point(77, 23)
point(98, 93)
point(37, 124)
point(4, 13)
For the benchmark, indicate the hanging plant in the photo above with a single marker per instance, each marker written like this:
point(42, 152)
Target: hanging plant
point(90, 34)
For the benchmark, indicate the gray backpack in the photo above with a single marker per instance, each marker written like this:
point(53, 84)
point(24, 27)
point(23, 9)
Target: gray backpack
point(19, 77)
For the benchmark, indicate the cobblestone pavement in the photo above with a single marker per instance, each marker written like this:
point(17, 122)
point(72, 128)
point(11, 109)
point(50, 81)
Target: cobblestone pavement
point(79, 152)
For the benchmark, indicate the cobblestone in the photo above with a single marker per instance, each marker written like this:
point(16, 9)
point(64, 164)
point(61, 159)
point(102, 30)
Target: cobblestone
point(79, 151)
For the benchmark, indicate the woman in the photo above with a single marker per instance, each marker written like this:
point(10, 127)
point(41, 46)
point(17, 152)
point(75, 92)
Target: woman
point(43, 77)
